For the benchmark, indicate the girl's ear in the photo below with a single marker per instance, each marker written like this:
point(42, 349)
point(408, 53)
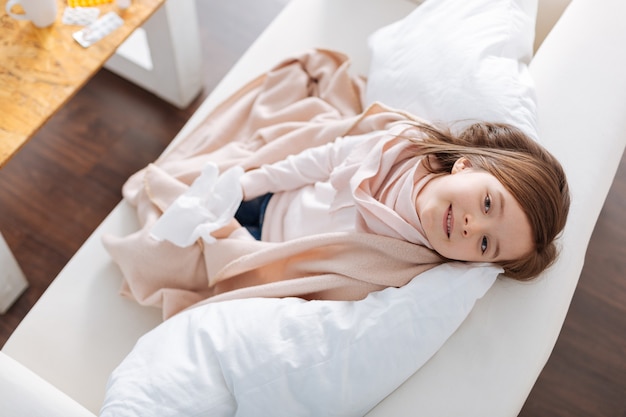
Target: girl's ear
point(461, 164)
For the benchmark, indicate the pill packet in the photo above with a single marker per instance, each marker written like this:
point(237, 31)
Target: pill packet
point(80, 16)
point(98, 29)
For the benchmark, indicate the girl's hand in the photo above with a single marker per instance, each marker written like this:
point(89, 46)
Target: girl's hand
point(227, 230)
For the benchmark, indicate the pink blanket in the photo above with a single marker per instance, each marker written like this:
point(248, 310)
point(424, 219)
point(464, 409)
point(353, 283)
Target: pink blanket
point(304, 101)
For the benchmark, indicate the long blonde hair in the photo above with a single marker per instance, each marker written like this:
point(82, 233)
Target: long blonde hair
point(528, 171)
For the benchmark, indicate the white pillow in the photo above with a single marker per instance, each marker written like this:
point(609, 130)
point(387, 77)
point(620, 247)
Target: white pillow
point(458, 61)
point(289, 357)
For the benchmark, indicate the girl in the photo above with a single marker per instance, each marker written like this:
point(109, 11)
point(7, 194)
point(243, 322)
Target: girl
point(487, 194)
point(341, 218)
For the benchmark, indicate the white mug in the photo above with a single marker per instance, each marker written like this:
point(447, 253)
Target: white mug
point(42, 13)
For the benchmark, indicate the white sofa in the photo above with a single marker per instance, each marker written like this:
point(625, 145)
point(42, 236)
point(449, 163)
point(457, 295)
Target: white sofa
point(59, 358)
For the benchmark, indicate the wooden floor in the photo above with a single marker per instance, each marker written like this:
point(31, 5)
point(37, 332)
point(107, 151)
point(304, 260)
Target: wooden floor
point(66, 180)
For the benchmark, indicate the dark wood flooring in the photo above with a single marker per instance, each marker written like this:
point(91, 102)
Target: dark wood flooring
point(65, 181)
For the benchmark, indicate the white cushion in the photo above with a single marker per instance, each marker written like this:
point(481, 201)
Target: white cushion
point(458, 61)
point(290, 357)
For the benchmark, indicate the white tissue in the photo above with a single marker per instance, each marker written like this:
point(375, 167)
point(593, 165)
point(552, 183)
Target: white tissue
point(208, 205)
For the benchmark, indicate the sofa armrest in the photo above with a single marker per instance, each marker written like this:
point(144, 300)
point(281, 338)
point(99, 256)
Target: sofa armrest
point(23, 393)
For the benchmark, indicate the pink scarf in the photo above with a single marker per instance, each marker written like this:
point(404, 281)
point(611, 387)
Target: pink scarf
point(385, 182)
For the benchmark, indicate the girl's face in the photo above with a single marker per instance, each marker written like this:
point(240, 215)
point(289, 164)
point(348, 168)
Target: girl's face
point(469, 216)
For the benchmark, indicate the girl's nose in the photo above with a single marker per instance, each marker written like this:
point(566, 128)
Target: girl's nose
point(469, 225)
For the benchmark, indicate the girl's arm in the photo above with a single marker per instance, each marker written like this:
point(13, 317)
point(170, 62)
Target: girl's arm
point(295, 171)
point(307, 167)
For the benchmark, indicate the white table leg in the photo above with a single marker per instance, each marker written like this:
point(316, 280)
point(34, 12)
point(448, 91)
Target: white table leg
point(12, 281)
point(164, 56)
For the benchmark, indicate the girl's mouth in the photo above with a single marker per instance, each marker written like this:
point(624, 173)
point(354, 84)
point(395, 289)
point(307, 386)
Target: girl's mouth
point(448, 221)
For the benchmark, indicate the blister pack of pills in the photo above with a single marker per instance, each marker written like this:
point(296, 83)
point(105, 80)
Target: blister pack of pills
point(81, 16)
point(98, 29)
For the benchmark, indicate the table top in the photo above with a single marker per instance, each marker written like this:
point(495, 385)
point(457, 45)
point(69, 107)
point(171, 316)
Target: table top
point(42, 68)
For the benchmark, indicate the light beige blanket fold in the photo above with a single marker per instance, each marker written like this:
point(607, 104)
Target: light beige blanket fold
point(305, 101)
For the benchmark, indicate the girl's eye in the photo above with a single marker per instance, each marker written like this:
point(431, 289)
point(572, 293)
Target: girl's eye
point(483, 244)
point(487, 204)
